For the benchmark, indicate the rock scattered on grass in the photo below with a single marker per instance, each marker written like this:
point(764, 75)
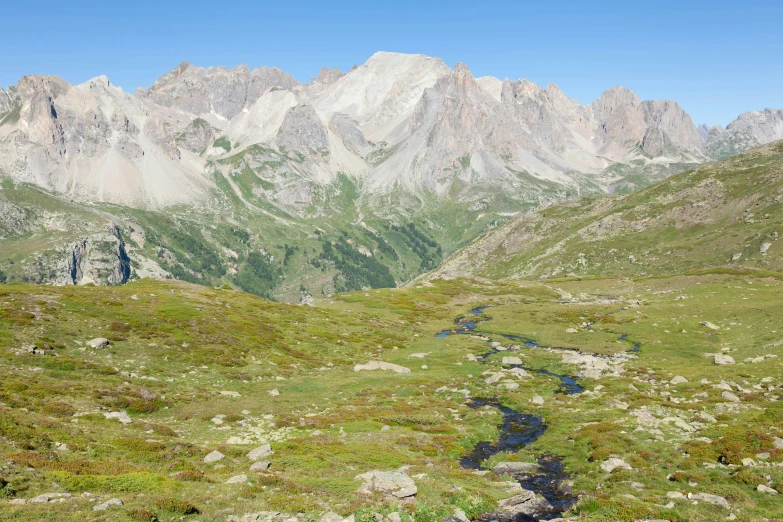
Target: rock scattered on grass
point(260, 452)
point(261, 465)
point(380, 365)
point(119, 415)
point(113, 502)
point(395, 483)
point(614, 463)
point(98, 343)
point(214, 457)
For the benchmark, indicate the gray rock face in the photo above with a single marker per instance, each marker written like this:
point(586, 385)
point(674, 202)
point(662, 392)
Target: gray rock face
point(659, 127)
point(100, 259)
point(765, 126)
point(6, 103)
point(348, 131)
point(302, 130)
point(197, 136)
point(224, 92)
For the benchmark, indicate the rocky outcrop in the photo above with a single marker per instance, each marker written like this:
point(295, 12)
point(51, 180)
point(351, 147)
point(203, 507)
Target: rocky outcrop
point(99, 259)
point(197, 136)
point(302, 130)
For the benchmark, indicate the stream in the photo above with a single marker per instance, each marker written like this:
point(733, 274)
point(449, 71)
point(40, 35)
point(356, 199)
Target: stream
point(518, 430)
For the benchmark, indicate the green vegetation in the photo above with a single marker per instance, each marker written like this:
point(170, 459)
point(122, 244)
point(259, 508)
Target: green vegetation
point(223, 143)
point(175, 348)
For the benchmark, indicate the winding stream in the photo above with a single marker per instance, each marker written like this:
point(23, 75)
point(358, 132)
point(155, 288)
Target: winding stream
point(518, 430)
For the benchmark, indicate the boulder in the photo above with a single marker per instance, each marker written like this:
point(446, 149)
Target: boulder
point(766, 489)
point(526, 503)
point(395, 483)
point(515, 467)
point(730, 396)
point(119, 415)
point(380, 365)
point(764, 247)
point(214, 457)
point(238, 479)
point(678, 379)
point(723, 360)
point(511, 360)
point(98, 343)
point(260, 452)
point(106, 505)
point(613, 463)
point(261, 465)
point(711, 499)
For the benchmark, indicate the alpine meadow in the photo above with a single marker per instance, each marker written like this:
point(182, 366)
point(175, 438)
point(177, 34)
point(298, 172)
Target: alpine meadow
point(395, 293)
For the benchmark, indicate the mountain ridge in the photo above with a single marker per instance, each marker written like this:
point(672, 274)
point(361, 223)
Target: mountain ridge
point(206, 156)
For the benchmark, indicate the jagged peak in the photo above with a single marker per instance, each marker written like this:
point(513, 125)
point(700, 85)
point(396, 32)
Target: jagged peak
point(100, 81)
point(173, 74)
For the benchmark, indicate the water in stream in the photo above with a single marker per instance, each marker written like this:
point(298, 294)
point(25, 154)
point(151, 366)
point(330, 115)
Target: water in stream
point(518, 430)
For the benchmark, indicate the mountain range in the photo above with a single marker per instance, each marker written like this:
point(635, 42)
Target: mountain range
point(245, 176)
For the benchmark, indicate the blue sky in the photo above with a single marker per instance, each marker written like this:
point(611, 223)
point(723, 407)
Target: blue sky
point(716, 58)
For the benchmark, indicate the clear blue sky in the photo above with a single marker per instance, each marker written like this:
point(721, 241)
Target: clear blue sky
point(716, 58)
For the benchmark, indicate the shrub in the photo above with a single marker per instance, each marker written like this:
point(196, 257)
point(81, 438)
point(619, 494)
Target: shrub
point(176, 505)
point(58, 409)
point(144, 515)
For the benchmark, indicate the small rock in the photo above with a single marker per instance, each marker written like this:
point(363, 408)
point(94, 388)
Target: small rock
point(511, 360)
point(274, 393)
point(537, 400)
point(736, 257)
point(214, 457)
point(730, 396)
point(778, 443)
point(48, 497)
point(674, 494)
point(106, 505)
point(572, 330)
point(766, 489)
point(748, 462)
point(98, 343)
point(764, 247)
point(709, 325)
point(679, 379)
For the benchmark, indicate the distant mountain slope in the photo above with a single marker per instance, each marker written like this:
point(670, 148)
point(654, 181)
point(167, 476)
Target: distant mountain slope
point(722, 214)
point(216, 175)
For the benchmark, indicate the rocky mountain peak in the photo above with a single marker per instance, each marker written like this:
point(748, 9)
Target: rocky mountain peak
point(173, 74)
